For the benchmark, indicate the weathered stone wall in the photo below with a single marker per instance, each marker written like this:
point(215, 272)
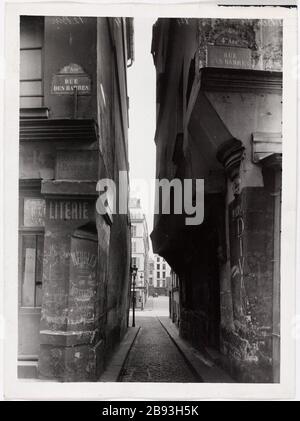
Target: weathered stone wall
point(240, 43)
point(70, 283)
point(249, 343)
point(113, 126)
point(86, 255)
point(236, 238)
point(247, 276)
point(70, 41)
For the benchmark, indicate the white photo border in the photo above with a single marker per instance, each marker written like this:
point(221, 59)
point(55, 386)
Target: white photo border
point(15, 388)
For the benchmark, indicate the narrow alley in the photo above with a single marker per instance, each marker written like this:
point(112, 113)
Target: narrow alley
point(149, 177)
point(154, 357)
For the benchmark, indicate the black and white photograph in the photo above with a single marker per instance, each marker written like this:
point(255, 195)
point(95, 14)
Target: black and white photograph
point(153, 225)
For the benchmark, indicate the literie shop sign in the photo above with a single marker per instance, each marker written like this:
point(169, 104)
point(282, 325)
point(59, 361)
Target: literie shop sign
point(70, 78)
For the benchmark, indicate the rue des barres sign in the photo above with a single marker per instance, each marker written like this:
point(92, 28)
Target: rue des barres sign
point(70, 78)
point(229, 57)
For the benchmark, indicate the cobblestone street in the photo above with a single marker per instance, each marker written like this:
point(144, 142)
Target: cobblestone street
point(154, 357)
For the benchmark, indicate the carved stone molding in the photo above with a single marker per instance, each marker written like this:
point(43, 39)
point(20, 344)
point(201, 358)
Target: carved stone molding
point(34, 113)
point(262, 38)
point(264, 145)
point(58, 130)
point(240, 80)
point(230, 154)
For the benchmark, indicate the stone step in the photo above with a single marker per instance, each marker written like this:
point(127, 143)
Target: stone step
point(27, 369)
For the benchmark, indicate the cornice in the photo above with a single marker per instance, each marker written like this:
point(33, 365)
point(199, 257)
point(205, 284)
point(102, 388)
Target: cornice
point(57, 130)
point(230, 154)
point(240, 80)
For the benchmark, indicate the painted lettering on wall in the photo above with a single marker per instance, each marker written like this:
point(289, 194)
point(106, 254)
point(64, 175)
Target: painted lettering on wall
point(34, 212)
point(83, 259)
point(83, 269)
point(68, 20)
point(68, 210)
point(237, 215)
point(237, 259)
point(79, 165)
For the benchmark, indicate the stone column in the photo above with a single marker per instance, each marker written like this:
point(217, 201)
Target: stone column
point(69, 335)
point(73, 316)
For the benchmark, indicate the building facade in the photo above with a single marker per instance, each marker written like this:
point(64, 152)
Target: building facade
point(74, 262)
point(139, 251)
point(219, 114)
point(151, 275)
point(160, 275)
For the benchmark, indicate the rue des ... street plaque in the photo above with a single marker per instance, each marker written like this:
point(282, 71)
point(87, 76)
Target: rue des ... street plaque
point(66, 84)
point(229, 57)
point(72, 77)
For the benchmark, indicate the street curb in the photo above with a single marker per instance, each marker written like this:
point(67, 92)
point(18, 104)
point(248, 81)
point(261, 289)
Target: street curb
point(114, 368)
point(206, 369)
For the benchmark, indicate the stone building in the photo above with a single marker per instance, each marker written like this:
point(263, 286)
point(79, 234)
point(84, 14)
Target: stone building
point(151, 275)
point(139, 251)
point(74, 263)
point(219, 114)
point(161, 273)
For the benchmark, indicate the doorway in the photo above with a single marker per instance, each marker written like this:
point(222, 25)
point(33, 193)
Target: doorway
point(31, 253)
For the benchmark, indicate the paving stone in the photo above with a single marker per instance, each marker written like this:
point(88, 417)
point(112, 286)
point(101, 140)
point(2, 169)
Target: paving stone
point(154, 357)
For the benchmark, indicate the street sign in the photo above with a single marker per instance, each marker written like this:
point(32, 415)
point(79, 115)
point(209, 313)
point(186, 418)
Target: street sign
point(72, 77)
point(229, 57)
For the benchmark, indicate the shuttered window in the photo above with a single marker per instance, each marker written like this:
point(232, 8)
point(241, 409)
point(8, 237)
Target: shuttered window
point(31, 52)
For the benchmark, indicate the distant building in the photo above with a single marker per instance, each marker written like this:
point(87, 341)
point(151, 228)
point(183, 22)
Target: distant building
point(160, 275)
point(139, 250)
point(151, 274)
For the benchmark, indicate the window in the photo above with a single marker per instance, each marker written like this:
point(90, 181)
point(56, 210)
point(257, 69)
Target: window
point(164, 266)
point(158, 266)
point(158, 275)
point(31, 47)
point(164, 275)
point(31, 246)
point(134, 246)
point(135, 261)
point(32, 251)
point(133, 230)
